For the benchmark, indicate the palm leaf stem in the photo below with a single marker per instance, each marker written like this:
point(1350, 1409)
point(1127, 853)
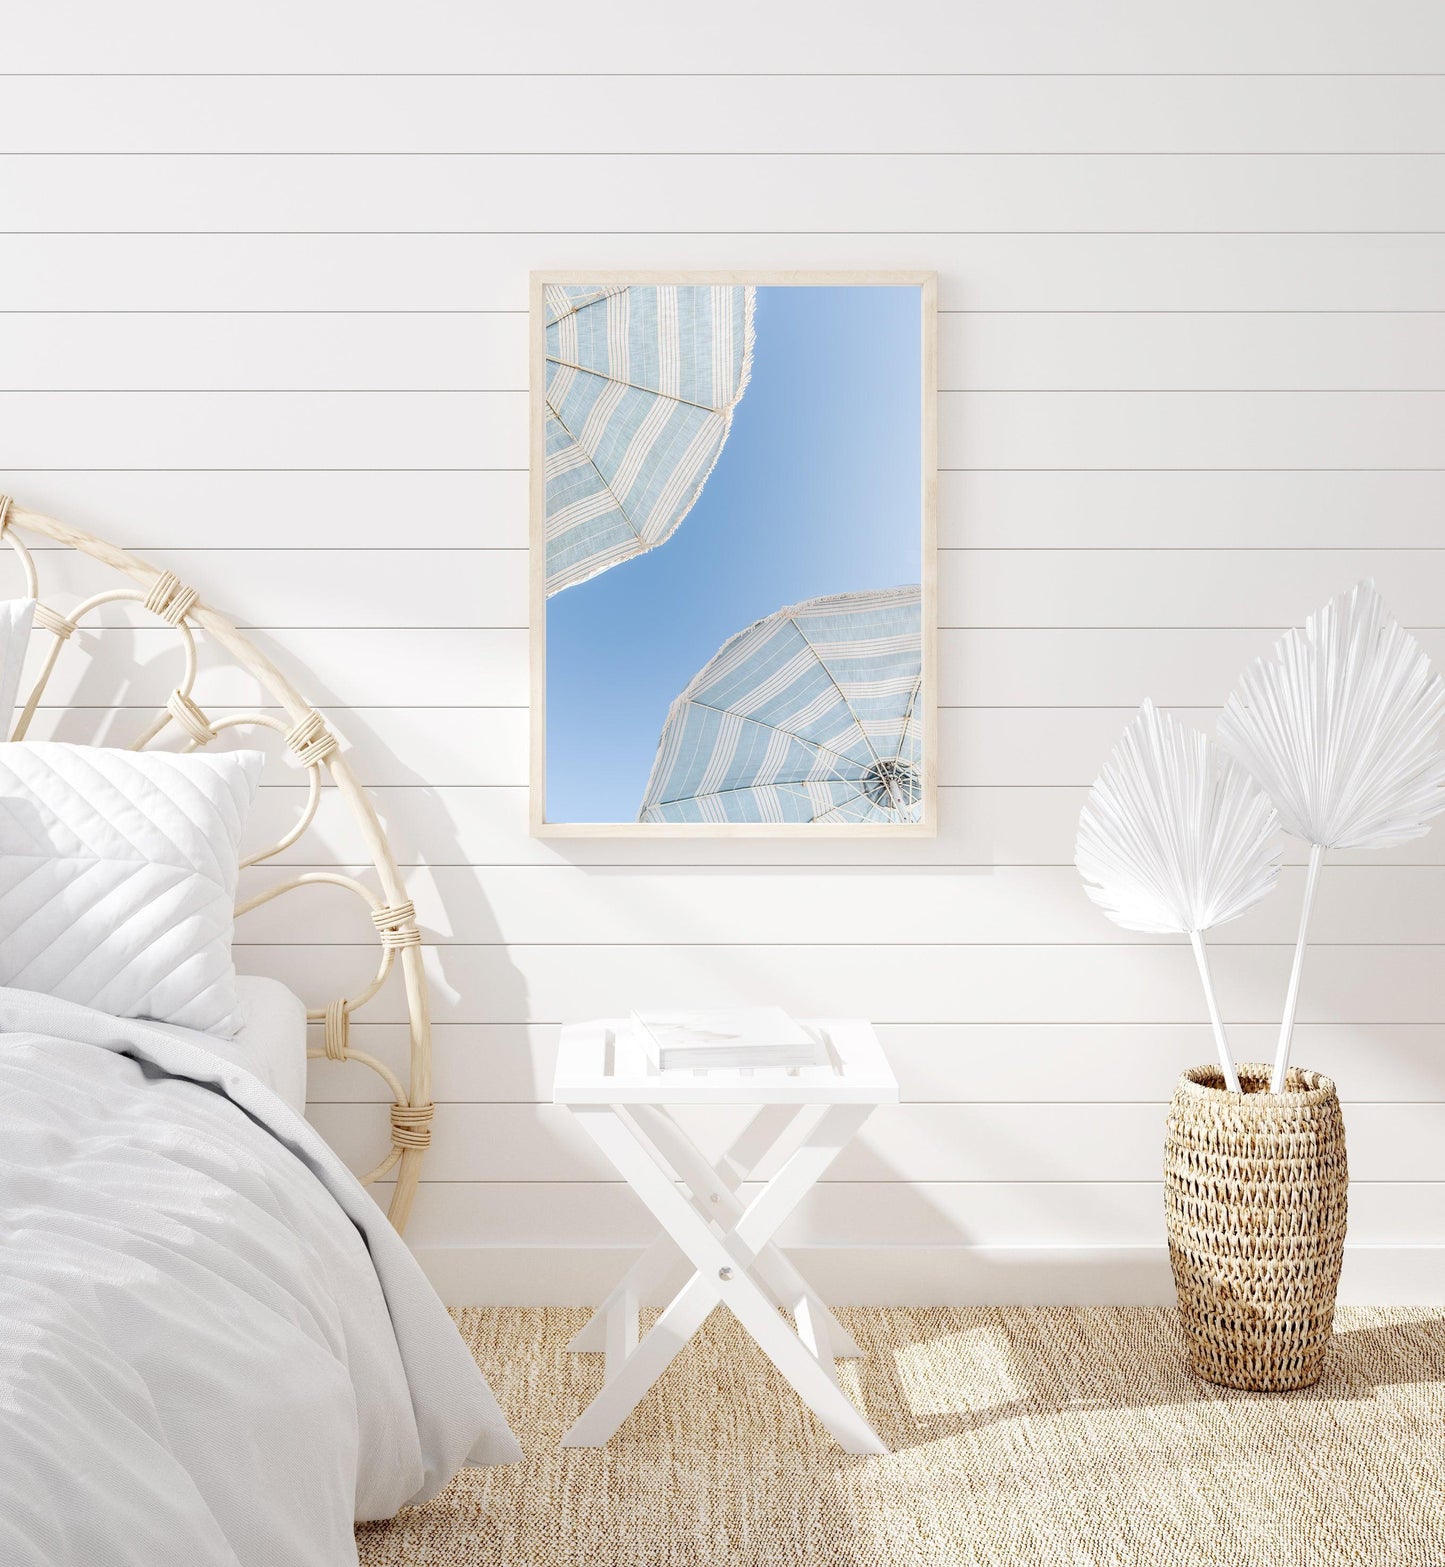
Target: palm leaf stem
point(1291, 997)
point(1231, 1077)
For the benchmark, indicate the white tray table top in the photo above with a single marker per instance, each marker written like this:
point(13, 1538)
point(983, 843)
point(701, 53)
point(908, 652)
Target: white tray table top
point(603, 1062)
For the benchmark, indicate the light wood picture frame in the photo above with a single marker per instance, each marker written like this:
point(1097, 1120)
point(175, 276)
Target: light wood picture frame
point(733, 602)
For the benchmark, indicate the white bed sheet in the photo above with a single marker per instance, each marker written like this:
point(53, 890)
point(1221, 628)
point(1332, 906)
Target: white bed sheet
point(216, 1349)
point(271, 1042)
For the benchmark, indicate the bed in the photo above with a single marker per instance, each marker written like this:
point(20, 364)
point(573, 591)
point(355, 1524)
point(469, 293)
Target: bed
point(214, 1346)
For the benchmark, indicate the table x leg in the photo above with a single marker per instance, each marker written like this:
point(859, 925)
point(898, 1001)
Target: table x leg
point(730, 1246)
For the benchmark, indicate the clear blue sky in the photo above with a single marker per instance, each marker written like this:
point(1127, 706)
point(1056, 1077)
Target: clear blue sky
point(818, 490)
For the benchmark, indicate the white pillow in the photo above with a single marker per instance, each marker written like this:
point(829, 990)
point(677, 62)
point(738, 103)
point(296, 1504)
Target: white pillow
point(118, 878)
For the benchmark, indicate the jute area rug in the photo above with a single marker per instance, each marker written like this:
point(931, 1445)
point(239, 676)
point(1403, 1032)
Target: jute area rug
point(1064, 1437)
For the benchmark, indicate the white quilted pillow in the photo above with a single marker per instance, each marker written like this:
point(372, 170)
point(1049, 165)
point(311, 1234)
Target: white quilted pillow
point(118, 878)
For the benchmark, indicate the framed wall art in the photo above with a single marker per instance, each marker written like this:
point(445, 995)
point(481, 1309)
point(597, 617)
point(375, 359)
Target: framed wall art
point(733, 618)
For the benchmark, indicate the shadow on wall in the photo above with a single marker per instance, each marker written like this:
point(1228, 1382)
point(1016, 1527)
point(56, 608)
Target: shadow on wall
point(463, 989)
point(108, 687)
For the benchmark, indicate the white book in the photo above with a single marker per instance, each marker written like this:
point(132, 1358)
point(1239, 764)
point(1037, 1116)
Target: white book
point(726, 1037)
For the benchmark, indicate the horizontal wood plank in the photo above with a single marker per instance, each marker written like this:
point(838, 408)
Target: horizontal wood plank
point(115, 663)
point(1121, 983)
point(974, 1063)
point(902, 1144)
point(978, 271)
point(1388, 905)
point(480, 430)
point(776, 113)
point(809, 38)
point(1087, 193)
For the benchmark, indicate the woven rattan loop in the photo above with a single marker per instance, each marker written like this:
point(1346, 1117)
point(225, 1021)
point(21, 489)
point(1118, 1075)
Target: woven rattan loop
point(338, 1030)
point(170, 598)
point(396, 924)
point(190, 718)
point(53, 621)
point(6, 502)
point(311, 741)
point(411, 1126)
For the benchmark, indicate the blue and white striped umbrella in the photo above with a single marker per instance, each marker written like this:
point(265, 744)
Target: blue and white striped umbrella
point(641, 386)
point(812, 715)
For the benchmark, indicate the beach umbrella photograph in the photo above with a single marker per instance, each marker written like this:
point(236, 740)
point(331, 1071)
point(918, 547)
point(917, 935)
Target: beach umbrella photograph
point(813, 714)
point(641, 384)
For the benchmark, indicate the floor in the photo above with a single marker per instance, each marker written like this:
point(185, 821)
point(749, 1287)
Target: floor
point(1065, 1437)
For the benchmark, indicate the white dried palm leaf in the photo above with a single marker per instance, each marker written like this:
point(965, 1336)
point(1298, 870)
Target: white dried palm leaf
point(1175, 837)
point(1341, 728)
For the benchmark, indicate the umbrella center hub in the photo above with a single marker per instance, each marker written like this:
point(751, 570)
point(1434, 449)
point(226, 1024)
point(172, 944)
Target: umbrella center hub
point(893, 784)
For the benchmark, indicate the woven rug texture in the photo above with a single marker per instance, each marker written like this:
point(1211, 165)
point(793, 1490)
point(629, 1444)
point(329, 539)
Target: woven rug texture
point(1057, 1436)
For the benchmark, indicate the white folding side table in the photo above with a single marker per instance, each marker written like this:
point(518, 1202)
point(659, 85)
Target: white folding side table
point(605, 1078)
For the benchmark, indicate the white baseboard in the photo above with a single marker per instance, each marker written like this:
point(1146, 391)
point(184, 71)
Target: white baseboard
point(917, 1275)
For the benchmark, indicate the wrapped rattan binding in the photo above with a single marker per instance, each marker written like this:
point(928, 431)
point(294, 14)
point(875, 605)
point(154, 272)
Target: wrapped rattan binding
point(1255, 1190)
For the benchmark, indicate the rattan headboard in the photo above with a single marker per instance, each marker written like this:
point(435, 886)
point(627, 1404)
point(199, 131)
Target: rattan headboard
point(315, 747)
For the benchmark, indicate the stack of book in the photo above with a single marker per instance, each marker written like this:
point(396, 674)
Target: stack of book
point(725, 1038)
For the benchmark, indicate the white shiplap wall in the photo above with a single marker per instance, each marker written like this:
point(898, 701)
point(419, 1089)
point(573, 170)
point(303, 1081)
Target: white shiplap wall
point(263, 283)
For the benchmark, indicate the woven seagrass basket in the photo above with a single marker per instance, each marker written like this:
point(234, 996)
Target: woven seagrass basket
point(1255, 1192)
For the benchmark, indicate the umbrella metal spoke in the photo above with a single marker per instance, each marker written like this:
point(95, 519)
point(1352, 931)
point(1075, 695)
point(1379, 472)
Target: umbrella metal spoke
point(599, 297)
point(591, 463)
point(751, 788)
point(913, 697)
point(763, 723)
point(839, 804)
point(636, 386)
point(833, 681)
